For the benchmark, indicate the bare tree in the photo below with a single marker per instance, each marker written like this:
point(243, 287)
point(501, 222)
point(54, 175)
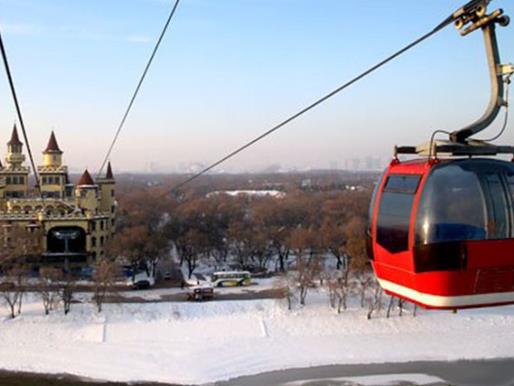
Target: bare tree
point(17, 244)
point(191, 247)
point(104, 280)
point(13, 288)
point(288, 285)
point(67, 290)
point(364, 279)
point(10, 294)
point(238, 235)
point(21, 277)
point(334, 241)
point(48, 287)
point(339, 288)
point(305, 244)
point(375, 302)
point(307, 270)
point(401, 304)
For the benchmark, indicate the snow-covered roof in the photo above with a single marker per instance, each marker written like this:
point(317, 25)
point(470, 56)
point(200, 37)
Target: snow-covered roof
point(260, 193)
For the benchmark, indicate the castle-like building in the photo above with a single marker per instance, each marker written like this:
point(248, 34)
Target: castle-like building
point(74, 221)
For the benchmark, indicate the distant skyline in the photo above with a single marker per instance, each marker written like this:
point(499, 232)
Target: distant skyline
point(231, 69)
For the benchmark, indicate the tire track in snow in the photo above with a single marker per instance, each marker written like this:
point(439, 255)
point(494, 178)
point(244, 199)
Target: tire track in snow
point(264, 328)
point(104, 330)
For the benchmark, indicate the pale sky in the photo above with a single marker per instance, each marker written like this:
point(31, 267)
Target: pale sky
point(231, 69)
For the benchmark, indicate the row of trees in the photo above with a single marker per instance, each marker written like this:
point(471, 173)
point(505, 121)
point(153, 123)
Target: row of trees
point(53, 285)
point(297, 231)
point(252, 232)
point(349, 282)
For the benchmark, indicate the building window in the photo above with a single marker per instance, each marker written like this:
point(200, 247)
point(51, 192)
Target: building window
point(102, 241)
point(102, 225)
point(93, 241)
point(14, 194)
point(93, 225)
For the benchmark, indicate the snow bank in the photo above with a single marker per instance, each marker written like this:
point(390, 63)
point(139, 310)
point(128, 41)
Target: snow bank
point(195, 343)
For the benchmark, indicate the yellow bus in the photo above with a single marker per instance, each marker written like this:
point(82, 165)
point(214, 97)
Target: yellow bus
point(231, 278)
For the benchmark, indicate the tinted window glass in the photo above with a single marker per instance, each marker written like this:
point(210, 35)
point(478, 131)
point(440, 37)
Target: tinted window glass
point(373, 198)
point(510, 181)
point(369, 241)
point(466, 200)
point(498, 216)
point(395, 211)
point(402, 184)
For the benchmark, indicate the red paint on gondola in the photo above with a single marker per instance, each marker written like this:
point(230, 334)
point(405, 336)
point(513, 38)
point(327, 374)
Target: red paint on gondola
point(480, 270)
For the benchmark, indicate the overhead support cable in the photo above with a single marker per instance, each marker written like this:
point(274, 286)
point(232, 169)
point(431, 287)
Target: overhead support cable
point(367, 72)
point(18, 112)
point(136, 91)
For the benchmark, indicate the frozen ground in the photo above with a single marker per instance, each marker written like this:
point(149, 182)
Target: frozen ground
point(195, 343)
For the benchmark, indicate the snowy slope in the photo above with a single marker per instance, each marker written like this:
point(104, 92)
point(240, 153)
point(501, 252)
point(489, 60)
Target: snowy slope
point(198, 343)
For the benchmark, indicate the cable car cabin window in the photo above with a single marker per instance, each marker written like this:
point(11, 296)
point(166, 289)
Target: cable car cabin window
point(395, 211)
point(465, 200)
point(498, 216)
point(369, 241)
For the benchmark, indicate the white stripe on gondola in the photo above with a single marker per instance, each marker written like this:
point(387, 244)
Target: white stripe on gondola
point(447, 301)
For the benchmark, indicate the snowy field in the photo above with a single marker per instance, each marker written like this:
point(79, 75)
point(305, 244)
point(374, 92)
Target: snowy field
point(193, 343)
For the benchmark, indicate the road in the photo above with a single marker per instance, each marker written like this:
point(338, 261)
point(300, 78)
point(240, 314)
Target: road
point(498, 372)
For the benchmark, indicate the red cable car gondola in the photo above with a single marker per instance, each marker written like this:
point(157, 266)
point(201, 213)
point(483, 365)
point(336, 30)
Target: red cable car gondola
point(441, 230)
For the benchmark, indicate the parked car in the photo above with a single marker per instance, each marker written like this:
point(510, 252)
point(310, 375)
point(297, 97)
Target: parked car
point(141, 278)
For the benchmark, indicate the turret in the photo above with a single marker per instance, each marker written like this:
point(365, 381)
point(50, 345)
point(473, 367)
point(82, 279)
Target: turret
point(14, 174)
point(15, 157)
point(52, 156)
point(53, 174)
point(106, 186)
point(86, 193)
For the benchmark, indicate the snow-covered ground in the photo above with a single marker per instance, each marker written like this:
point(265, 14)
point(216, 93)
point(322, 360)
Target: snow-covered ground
point(195, 343)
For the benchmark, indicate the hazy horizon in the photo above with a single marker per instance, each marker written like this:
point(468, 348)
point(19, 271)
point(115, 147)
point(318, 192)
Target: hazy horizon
point(229, 70)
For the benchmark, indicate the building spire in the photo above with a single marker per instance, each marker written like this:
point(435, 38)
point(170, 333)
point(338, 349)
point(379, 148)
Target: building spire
point(15, 140)
point(109, 175)
point(52, 146)
point(86, 179)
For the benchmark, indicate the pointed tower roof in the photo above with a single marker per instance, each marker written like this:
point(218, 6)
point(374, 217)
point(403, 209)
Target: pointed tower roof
point(108, 174)
point(52, 146)
point(86, 179)
point(15, 140)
